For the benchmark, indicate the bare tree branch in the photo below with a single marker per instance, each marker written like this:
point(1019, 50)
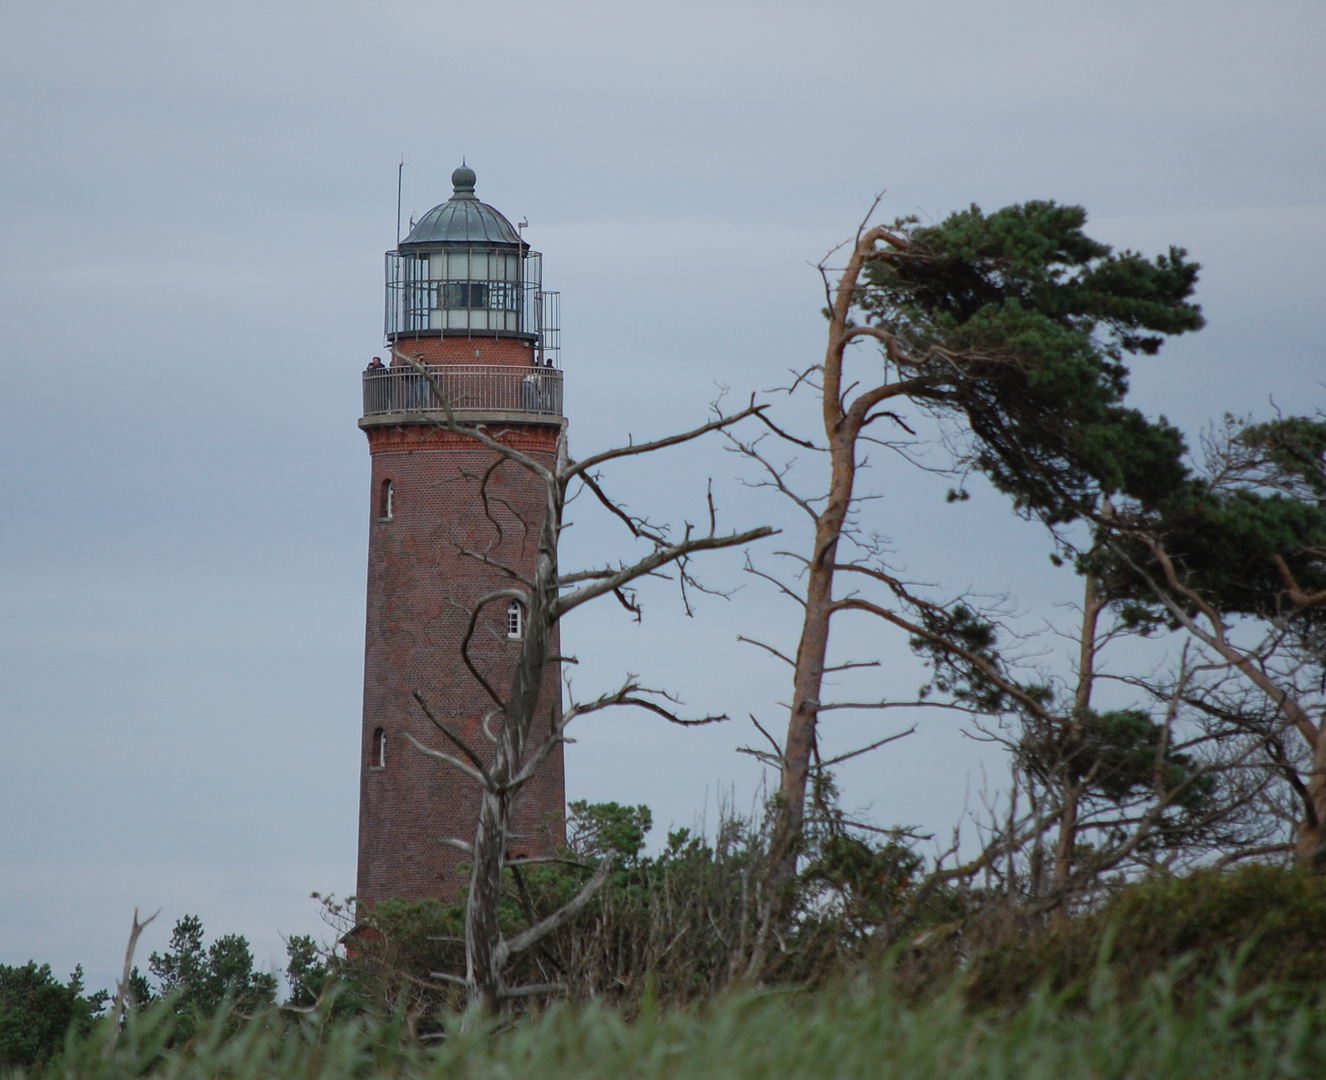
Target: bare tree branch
point(563, 915)
point(455, 762)
point(718, 424)
point(455, 739)
point(866, 749)
point(661, 557)
point(122, 987)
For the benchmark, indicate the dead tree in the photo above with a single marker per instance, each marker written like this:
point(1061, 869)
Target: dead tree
point(518, 746)
point(122, 988)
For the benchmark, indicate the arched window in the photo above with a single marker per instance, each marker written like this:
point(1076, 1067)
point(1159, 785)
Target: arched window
point(387, 501)
point(379, 749)
point(515, 620)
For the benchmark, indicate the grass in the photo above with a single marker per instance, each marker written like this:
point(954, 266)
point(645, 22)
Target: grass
point(855, 1030)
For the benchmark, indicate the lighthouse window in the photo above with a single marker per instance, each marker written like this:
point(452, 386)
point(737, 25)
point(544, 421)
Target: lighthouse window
point(465, 294)
point(387, 501)
point(515, 620)
point(502, 296)
point(379, 749)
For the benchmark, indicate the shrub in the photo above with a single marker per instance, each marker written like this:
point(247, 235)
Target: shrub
point(1273, 921)
point(36, 1011)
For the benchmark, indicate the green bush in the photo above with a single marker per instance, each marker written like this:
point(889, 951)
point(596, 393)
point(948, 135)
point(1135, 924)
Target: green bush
point(36, 1010)
point(677, 924)
point(1272, 921)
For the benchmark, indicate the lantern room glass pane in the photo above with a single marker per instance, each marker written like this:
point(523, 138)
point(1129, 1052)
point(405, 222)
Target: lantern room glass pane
point(465, 294)
point(464, 288)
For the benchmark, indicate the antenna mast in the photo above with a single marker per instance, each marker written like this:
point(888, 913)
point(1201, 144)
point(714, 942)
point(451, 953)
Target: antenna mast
point(400, 169)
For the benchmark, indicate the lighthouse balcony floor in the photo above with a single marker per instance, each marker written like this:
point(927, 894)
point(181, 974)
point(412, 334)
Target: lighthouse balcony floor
point(465, 389)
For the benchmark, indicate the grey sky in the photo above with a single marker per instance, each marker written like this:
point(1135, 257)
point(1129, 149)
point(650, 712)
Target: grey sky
point(194, 201)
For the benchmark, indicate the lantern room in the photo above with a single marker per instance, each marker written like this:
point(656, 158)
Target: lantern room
point(465, 271)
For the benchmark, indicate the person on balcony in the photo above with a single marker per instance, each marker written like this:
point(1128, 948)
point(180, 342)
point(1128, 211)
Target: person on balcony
point(532, 393)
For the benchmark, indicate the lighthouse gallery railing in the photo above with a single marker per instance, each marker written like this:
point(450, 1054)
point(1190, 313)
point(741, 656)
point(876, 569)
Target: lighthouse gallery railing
point(466, 387)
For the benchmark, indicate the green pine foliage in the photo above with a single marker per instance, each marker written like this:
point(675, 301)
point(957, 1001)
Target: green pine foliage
point(1265, 499)
point(1034, 319)
point(36, 1010)
point(199, 979)
point(1115, 753)
point(1256, 514)
point(1292, 454)
point(595, 829)
point(306, 970)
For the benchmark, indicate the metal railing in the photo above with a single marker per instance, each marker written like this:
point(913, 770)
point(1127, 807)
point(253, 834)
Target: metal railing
point(423, 298)
point(466, 387)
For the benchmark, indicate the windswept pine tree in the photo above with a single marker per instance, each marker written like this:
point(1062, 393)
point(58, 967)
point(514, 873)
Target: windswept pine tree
point(1013, 330)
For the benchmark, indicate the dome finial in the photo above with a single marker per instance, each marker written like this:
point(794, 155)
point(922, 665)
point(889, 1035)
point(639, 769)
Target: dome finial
point(462, 182)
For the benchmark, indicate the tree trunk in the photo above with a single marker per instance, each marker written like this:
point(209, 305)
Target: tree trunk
point(483, 976)
point(1070, 790)
point(841, 428)
point(1310, 844)
point(843, 422)
point(1065, 845)
point(812, 652)
point(486, 953)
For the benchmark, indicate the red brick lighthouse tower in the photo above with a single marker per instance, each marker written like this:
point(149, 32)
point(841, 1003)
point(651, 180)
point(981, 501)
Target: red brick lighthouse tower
point(464, 297)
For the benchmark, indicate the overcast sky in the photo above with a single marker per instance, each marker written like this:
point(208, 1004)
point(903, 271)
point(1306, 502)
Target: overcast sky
point(194, 202)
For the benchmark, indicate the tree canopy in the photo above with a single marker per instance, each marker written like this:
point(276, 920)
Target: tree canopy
point(202, 977)
point(36, 1010)
point(1017, 323)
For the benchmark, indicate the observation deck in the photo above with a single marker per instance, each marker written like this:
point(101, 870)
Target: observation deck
point(489, 392)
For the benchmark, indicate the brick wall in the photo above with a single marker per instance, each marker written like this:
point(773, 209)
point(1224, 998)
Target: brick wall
point(435, 349)
point(420, 591)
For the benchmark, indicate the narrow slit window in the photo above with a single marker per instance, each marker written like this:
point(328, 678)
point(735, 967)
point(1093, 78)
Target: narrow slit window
point(387, 501)
point(515, 620)
point(379, 749)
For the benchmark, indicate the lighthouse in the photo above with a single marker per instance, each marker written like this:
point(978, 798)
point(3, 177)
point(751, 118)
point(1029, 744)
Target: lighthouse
point(464, 299)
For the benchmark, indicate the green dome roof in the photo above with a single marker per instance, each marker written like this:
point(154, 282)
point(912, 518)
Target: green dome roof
point(463, 219)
